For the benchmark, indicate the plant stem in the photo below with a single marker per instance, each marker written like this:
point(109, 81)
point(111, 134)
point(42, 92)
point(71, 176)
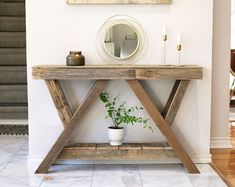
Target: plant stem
point(113, 117)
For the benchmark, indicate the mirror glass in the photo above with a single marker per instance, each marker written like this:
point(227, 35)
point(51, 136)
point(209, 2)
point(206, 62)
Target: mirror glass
point(121, 41)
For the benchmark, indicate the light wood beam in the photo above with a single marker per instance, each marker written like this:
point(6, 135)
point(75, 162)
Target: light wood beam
point(79, 114)
point(117, 72)
point(163, 126)
point(175, 100)
point(59, 100)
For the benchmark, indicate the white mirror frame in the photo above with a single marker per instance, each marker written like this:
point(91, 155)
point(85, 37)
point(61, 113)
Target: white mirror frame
point(142, 40)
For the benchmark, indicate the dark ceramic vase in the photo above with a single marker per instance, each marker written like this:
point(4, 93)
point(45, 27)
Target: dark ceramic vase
point(75, 58)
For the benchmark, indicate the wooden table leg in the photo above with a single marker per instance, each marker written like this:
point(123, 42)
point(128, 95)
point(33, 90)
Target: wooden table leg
point(175, 99)
point(61, 142)
point(59, 100)
point(163, 126)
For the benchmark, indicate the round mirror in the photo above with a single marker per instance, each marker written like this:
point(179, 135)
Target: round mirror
point(121, 41)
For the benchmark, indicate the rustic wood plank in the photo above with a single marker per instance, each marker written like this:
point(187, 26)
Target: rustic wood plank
point(167, 146)
point(175, 100)
point(130, 146)
point(148, 72)
point(155, 146)
point(63, 139)
point(86, 146)
point(59, 100)
point(168, 73)
point(110, 154)
point(72, 2)
point(171, 97)
point(163, 126)
point(82, 73)
point(69, 146)
point(106, 146)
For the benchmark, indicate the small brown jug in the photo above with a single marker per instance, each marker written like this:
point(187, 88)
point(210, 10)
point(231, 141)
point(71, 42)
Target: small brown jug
point(75, 58)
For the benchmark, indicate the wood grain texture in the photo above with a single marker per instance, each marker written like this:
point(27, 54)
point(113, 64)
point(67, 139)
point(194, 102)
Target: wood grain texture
point(154, 146)
point(79, 114)
point(168, 73)
point(128, 151)
point(174, 101)
point(130, 146)
point(86, 146)
point(109, 154)
point(106, 146)
point(59, 100)
point(163, 126)
point(117, 72)
point(223, 161)
point(171, 97)
point(119, 1)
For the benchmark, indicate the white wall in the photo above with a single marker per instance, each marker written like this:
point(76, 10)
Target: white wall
point(220, 76)
point(233, 25)
point(54, 28)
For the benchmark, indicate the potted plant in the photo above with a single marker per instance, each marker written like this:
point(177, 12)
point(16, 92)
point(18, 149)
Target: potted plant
point(121, 115)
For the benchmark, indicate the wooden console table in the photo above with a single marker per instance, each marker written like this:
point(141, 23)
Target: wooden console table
point(131, 74)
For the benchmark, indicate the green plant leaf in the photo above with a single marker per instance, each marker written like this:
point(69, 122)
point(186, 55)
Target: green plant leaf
point(108, 105)
point(104, 97)
point(121, 114)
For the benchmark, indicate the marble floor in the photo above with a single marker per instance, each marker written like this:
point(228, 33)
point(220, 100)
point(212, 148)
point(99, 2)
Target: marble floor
point(16, 172)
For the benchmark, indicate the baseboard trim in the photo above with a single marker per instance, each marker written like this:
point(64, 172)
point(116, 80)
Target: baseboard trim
point(220, 143)
point(201, 159)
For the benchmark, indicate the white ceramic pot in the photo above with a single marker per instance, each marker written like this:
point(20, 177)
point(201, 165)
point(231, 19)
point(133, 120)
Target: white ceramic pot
point(116, 135)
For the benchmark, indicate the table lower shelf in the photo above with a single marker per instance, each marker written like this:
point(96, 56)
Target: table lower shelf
point(130, 151)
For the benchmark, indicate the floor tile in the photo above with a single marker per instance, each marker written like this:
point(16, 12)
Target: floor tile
point(68, 175)
point(18, 165)
point(66, 181)
point(11, 181)
point(17, 171)
point(16, 141)
point(9, 145)
point(156, 170)
point(23, 150)
point(206, 169)
point(116, 170)
point(116, 181)
point(206, 181)
point(20, 181)
point(166, 181)
point(5, 158)
point(117, 175)
point(71, 170)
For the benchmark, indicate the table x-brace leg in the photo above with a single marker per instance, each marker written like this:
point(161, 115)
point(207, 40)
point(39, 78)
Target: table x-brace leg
point(163, 125)
point(70, 121)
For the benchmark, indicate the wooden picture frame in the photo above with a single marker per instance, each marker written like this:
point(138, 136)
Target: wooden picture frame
point(119, 2)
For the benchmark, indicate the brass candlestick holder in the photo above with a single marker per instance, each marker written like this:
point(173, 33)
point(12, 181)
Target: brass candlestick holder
point(164, 48)
point(179, 48)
